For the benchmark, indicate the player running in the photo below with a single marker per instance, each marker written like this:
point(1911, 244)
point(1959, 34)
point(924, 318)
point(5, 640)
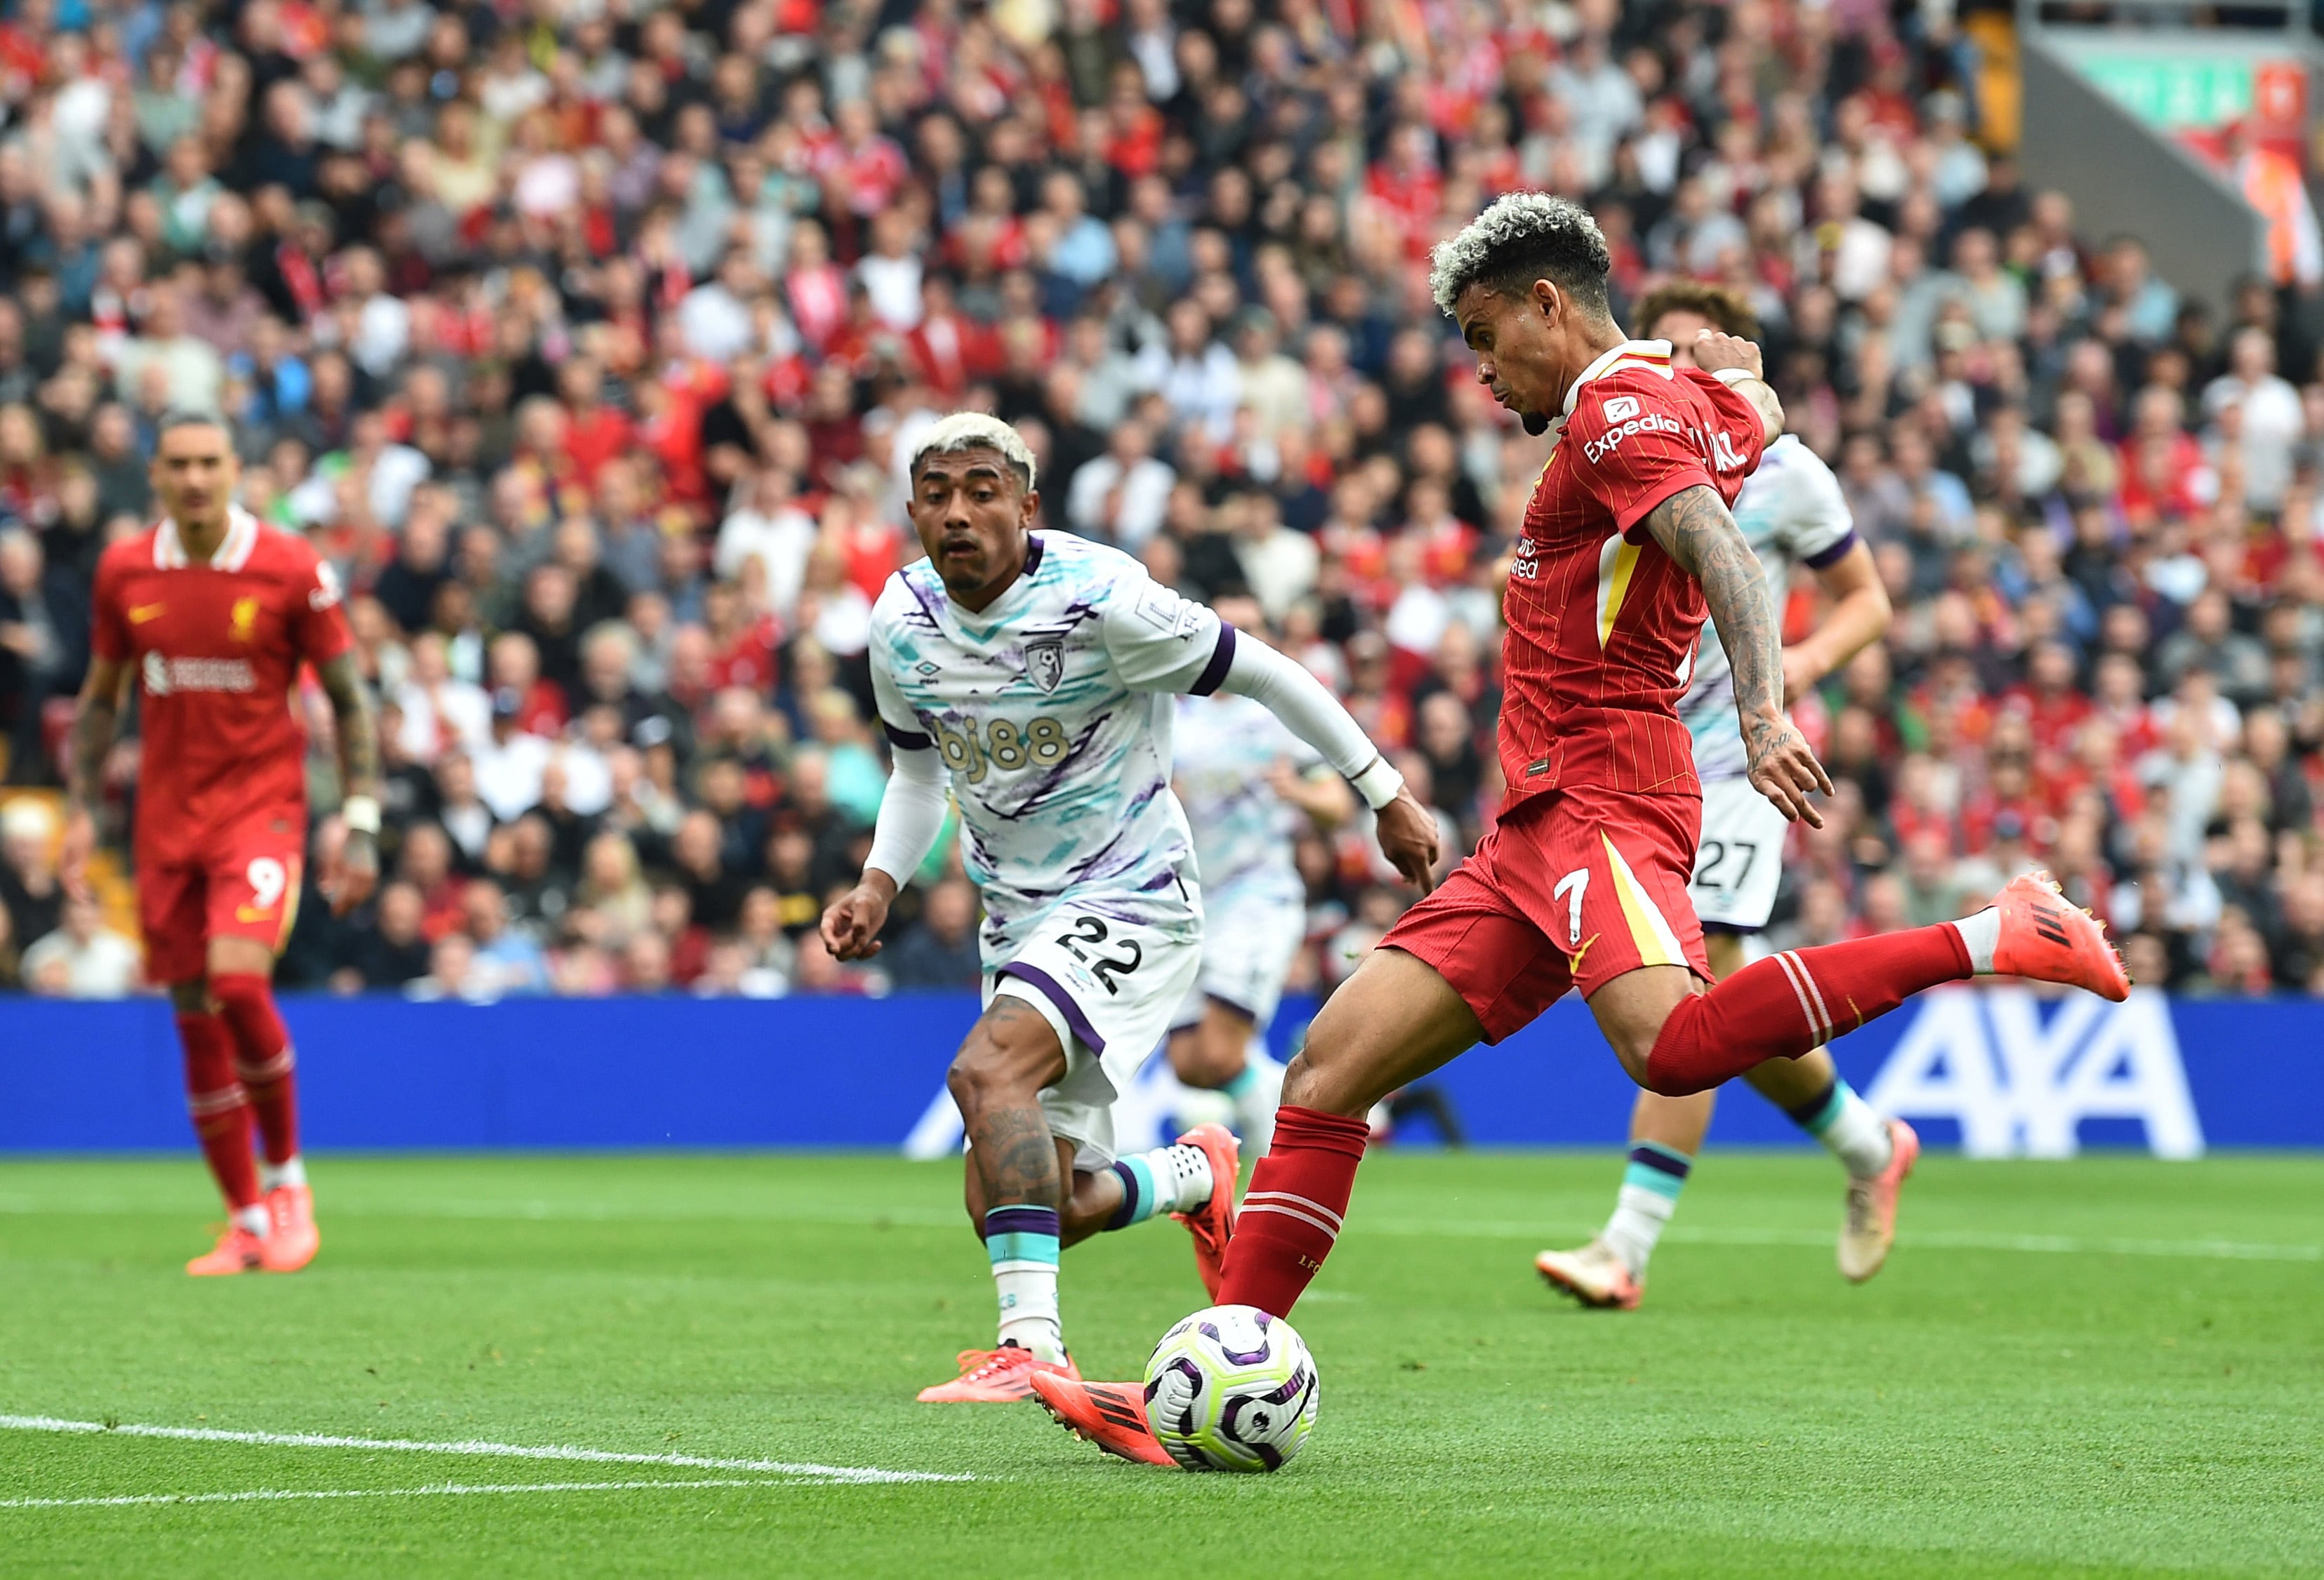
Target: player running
point(213, 614)
point(1791, 513)
point(1247, 784)
point(1035, 670)
point(1583, 882)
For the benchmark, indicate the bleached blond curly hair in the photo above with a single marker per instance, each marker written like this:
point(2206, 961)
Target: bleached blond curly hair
point(1527, 235)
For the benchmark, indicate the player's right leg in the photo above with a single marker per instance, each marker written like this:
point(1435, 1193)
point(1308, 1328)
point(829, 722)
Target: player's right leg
point(1461, 966)
point(1016, 1170)
point(1221, 1051)
point(171, 905)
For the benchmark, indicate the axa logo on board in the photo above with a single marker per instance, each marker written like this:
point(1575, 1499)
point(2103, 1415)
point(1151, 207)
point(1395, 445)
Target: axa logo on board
point(2019, 1086)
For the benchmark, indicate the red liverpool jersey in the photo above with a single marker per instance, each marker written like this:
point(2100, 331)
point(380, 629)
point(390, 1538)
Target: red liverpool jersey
point(1601, 623)
point(216, 649)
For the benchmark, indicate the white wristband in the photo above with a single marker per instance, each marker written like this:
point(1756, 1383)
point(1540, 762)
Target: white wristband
point(361, 814)
point(1732, 375)
point(1377, 784)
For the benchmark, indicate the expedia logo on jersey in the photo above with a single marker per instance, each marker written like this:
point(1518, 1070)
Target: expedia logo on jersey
point(164, 676)
point(1637, 422)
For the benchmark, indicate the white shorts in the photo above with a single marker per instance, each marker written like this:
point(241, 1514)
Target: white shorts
point(1107, 987)
point(1249, 943)
point(1739, 861)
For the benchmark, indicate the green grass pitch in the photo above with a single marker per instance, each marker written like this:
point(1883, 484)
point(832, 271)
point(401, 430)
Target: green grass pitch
point(2107, 1366)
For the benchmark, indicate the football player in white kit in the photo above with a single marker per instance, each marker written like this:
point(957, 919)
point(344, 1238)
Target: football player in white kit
point(1248, 783)
point(1033, 672)
point(1791, 513)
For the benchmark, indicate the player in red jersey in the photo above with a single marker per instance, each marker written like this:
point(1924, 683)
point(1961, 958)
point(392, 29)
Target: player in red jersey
point(213, 614)
point(1583, 882)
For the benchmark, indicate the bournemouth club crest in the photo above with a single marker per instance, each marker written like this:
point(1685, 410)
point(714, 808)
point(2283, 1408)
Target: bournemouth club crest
point(1044, 663)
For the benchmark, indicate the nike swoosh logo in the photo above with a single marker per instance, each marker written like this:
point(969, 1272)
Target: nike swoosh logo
point(142, 613)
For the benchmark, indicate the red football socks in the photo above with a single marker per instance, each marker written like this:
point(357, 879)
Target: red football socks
point(264, 1059)
point(1787, 1004)
point(1292, 1212)
point(221, 1115)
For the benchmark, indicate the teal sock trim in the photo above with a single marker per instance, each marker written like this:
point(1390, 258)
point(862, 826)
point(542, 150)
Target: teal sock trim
point(1824, 1116)
point(1143, 1172)
point(1245, 1079)
point(1662, 1169)
point(1021, 1247)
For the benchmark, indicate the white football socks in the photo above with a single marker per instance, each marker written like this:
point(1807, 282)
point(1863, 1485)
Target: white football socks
point(254, 1218)
point(291, 1171)
point(1982, 934)
point(1257, 1092)
point(1181, 1176)
point(1639, 1217)
point(1853, 1133)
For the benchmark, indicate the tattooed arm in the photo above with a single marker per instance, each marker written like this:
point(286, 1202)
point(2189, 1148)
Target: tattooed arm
point(351, 865)
point(95, 720)
point(1695, 529)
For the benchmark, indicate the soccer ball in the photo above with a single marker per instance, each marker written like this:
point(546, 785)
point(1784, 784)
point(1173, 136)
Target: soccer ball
point(1230, 1389)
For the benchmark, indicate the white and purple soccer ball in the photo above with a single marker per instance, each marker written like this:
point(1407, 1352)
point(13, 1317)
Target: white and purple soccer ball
point(1230, 1388)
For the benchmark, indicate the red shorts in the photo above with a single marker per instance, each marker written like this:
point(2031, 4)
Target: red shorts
point(242, 883)
point(1574, 888)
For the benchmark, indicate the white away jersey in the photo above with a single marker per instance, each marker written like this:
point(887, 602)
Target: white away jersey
point(1792, 512)
point(1052, 711)
point(1226, 747)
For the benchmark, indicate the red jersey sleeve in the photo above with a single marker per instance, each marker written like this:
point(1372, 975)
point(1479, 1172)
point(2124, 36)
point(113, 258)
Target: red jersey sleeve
point(319, 621)
point(1633, 440)
point(1642, 437)
point(109, 624)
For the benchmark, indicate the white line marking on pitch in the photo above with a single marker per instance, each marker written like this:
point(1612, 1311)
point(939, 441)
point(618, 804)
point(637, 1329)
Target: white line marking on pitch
point(442, 1490)
point(831, 1473)
point(1489, 1229)
point(1926, 1240)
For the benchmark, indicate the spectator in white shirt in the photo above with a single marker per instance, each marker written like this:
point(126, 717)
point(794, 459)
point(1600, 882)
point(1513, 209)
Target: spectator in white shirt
point(441, 712)
point(2272, 418)
point(890, 271)
point(1279, 563)
point(82, 959)
point(510, 766)
point(772, 530)
point(1118, 497)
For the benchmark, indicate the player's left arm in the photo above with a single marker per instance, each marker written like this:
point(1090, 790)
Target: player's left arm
point(1735, 362)
point(97, 717)
point(1858, 618)
point(1318, 792)
point(1159, 641)
point(350, 852)
point(1695, 529)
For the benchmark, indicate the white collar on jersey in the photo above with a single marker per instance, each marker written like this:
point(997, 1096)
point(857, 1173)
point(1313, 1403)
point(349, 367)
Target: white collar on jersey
point(241, 538)
point(1655, 355)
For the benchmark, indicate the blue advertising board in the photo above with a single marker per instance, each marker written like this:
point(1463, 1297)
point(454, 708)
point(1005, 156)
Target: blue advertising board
point(1996, 1071)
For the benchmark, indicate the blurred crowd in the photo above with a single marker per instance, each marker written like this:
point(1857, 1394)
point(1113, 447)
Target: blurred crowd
point(586, 337)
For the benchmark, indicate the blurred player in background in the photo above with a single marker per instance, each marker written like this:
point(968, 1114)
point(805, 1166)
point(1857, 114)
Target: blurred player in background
point(1035, 671)
point(1626, 543)
point(213, 614)
point(1247, 784)
point(1791, 513)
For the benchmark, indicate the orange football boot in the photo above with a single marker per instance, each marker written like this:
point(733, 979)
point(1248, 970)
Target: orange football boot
point(1213, 1223)
point(292, 1238)
point(2046, 940)
point(237, 1251)
point(1111, 1415)
point(996, 1376)
point(1593, 1275)
point(1870, 1225)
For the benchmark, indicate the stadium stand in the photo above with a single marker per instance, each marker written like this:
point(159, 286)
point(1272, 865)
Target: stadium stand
point(584, 339)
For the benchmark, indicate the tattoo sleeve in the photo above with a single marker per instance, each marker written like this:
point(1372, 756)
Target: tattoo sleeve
point(358, 723)
point(1695, 529)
